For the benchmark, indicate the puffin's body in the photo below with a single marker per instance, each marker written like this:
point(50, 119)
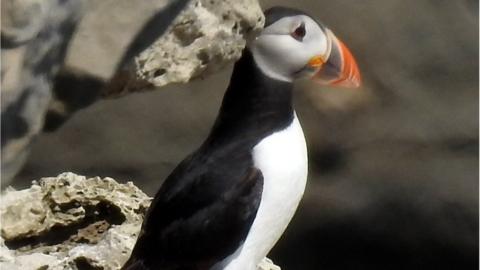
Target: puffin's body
point(226, 205)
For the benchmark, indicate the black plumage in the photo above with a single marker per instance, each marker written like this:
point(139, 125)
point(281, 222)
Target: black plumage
point(204, 210)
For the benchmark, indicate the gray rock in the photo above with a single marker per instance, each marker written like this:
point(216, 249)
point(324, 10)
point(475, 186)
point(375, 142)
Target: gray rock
point(35, 36)
point(22, 20)
point(71, 222)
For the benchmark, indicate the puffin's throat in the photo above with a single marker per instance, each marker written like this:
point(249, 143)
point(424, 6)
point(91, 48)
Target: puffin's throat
point(254, 104)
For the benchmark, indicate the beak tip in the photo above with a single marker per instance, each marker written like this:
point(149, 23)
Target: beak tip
point(356, 80)
point(351, 83)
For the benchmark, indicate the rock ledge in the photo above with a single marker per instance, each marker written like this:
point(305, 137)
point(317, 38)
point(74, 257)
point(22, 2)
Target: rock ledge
point(72, 222)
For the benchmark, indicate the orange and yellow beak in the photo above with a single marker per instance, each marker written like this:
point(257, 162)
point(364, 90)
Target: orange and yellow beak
point(338, 67)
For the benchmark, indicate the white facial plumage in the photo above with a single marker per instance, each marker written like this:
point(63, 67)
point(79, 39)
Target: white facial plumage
point(281, 54)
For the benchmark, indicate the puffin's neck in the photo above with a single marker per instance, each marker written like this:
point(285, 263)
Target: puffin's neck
point(254, 105)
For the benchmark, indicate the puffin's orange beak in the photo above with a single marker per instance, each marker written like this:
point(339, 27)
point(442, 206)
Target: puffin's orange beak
point(338, 68)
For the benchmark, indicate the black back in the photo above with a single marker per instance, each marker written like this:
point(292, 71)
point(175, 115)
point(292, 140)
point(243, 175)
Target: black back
point(204, 210)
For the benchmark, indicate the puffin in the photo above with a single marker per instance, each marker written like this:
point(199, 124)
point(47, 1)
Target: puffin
point(226, 205)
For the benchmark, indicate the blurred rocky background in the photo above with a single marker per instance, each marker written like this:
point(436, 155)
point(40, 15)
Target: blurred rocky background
point(393, 167)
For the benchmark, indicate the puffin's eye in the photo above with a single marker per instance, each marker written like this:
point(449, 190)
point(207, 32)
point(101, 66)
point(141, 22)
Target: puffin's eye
point(299, 32)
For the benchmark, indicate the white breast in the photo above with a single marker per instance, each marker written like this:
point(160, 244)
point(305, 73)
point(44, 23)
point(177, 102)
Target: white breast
point(282, 159)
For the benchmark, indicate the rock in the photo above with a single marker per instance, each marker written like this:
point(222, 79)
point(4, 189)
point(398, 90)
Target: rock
point(69, 220)
point(35, 37)
point(138, 46)
point(73, 222)
point(204, 38)
point(35, 261)
point(267, 264)
point(109, 27)
point(22, 20)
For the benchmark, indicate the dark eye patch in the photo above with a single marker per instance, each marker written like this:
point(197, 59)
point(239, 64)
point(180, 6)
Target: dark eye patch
point(299, 32)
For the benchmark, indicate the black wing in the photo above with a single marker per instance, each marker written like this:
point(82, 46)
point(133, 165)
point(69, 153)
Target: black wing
point(202, 214)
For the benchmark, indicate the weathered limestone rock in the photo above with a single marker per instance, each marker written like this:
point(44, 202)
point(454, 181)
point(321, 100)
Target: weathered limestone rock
point(71, 222)
point(205, 37)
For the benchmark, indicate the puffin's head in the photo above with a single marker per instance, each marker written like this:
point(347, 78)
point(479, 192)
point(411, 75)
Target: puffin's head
point(293, 45)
